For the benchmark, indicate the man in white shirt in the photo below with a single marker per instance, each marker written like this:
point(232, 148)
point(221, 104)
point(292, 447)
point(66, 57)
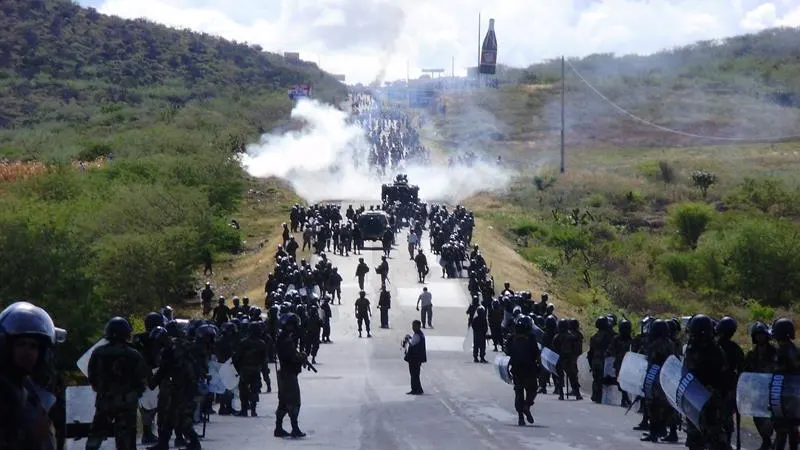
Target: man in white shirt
point(427, 307)
point(413, 241)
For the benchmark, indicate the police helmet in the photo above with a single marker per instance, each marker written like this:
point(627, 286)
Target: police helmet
point(516, 311)
point(173, 329)
point(601, 323)
point(26, 319)
point(701, 326)
point(783, 329)
point(159, 334)
point(228, 328)
point(659, 329)
point(625, 327)
point(153, 320)
point(612, 320)
point(523, 324)
point(168, 313)
point(255, 328)
point(574, 325)
point(563, 326)
point(726, 327)
point(206, 330)
point(118, 330)
point(551, 308)
point(550, 323)
point(290, 322)
point(759, 328)
point(645, 324)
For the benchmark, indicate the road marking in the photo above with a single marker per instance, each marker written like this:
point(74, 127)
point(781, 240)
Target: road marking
point(445, 295)
point(444, 343)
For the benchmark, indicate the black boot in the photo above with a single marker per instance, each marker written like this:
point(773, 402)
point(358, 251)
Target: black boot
point(528, 415)
point(148, 437)
point(279, 431)
point(520, 419)
point(163, 441)
point(296, 433)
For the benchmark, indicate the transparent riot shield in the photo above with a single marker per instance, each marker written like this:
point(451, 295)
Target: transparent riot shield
point(632, 373)
point(549, 360)
point(83, 361)
point(501, 367)
point(466, 344)
point(768, 395)
point(685, 392)
point(651, 380)
point(228, 375)
point(537, 333)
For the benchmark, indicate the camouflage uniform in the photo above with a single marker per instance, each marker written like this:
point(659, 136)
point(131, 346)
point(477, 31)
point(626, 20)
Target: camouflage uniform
point(117, 373)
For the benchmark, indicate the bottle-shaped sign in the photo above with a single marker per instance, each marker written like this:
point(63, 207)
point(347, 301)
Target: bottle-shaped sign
point(489, 51)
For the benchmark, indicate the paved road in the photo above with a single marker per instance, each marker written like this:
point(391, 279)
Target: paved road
point(358, 399)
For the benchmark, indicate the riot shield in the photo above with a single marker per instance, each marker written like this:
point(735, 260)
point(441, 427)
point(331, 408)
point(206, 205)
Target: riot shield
point(632, 373)
point(611, 394)
point(768, 395)
point(216, 385)
point(501, 367)
point(466, 345)
point(685, 392)
point(149, 398)
point(538, 334)
point(550, 360)
point(229, 375)
point(83, 361)
point(608, 367)
point(651, 380)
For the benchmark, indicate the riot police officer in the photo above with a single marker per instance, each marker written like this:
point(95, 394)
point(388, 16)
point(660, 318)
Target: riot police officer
point(27, 335)
point(706, 360)
point(787, 362)
point(117, 373)
point(761, 358)
point(734, 355)
point(525, 365)
point(291, 364)
point(598, 347)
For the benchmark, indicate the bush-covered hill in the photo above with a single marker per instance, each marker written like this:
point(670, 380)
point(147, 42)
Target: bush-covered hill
point(742, 87)
point(158, 114)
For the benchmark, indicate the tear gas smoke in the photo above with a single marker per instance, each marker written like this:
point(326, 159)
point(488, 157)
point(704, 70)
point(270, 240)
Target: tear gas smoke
point(326, 160)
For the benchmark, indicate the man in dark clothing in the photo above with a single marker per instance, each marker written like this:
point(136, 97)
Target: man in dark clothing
point(598, 347)
point(525, 365)
point(117, 373)
point(787, 362)
point(206, 297)
point(480, 327)
point(761, 359)
point(249, 360)
point(416, 355)
point(734, 356)
point(361, 272)
point(221, 313)
point(363, 312)
point(384, 305)
point(291, 364)
point(422, 265)
point(326, 313)
point(383, 271)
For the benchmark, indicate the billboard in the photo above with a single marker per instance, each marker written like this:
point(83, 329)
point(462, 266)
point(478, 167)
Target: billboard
point(300, 91)
point(339, 77)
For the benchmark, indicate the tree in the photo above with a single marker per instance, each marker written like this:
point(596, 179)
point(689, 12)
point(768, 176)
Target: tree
point(703, 180)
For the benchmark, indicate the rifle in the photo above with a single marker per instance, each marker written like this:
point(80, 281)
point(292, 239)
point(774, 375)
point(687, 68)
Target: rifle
point(738, 430)
point(635, 401)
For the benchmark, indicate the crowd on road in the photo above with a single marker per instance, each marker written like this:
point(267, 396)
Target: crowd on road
point(394, 141)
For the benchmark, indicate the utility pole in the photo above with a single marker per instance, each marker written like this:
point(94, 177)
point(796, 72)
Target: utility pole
point(563, 84)
point(478, 67)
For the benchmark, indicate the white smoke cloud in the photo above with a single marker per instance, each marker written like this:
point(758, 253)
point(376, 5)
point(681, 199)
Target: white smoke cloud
point(326, 160)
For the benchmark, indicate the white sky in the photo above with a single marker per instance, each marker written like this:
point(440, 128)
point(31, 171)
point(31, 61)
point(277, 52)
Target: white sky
point(369, 39)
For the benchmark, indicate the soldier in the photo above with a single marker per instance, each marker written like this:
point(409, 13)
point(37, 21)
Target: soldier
point(27, 336)
point(249, 360)
point(761, 359)
point(598, 347)
point(734, 355)
point(421, 262)
point(525, 365)
point(480, 327)
point(660, 348)
point(206, 297)
point(221, 313)
point(787, 362)
point(291, 364)
point(567, 344)
point(325, 309)
point(620, 345)
point(384, 305)
point(117, 373)
point(383, 271)
point(361, 271)
point(313, 328)
point(706, 360)
point(550, 328)
point(177, 380)
point(363, 312)
point(149, 352)
point(496, 314)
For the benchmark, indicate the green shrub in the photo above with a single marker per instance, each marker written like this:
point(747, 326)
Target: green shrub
point(691, 221)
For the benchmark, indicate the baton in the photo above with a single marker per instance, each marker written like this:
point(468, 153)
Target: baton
point(635, 401)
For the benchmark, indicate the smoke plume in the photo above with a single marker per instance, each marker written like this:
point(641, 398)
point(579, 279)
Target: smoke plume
point(326, 160)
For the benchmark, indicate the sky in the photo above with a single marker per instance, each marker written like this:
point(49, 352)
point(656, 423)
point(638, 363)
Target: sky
point(368, 40)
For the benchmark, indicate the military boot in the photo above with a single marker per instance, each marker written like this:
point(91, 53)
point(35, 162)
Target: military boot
point(279, 431)
point(296, 433)
point(163, 441)
point(520, 419)
point(148, 437)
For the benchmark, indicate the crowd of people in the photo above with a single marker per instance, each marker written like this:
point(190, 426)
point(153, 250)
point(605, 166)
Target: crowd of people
point(393, 138)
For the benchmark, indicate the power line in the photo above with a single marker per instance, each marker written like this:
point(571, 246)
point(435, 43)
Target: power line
point(671, 130)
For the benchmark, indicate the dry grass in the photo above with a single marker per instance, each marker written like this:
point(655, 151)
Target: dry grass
point(11, 171)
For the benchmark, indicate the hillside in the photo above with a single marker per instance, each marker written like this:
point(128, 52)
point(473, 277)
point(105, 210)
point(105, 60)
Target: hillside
point(646, 221)
point(157, 115)
point(744, 87)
